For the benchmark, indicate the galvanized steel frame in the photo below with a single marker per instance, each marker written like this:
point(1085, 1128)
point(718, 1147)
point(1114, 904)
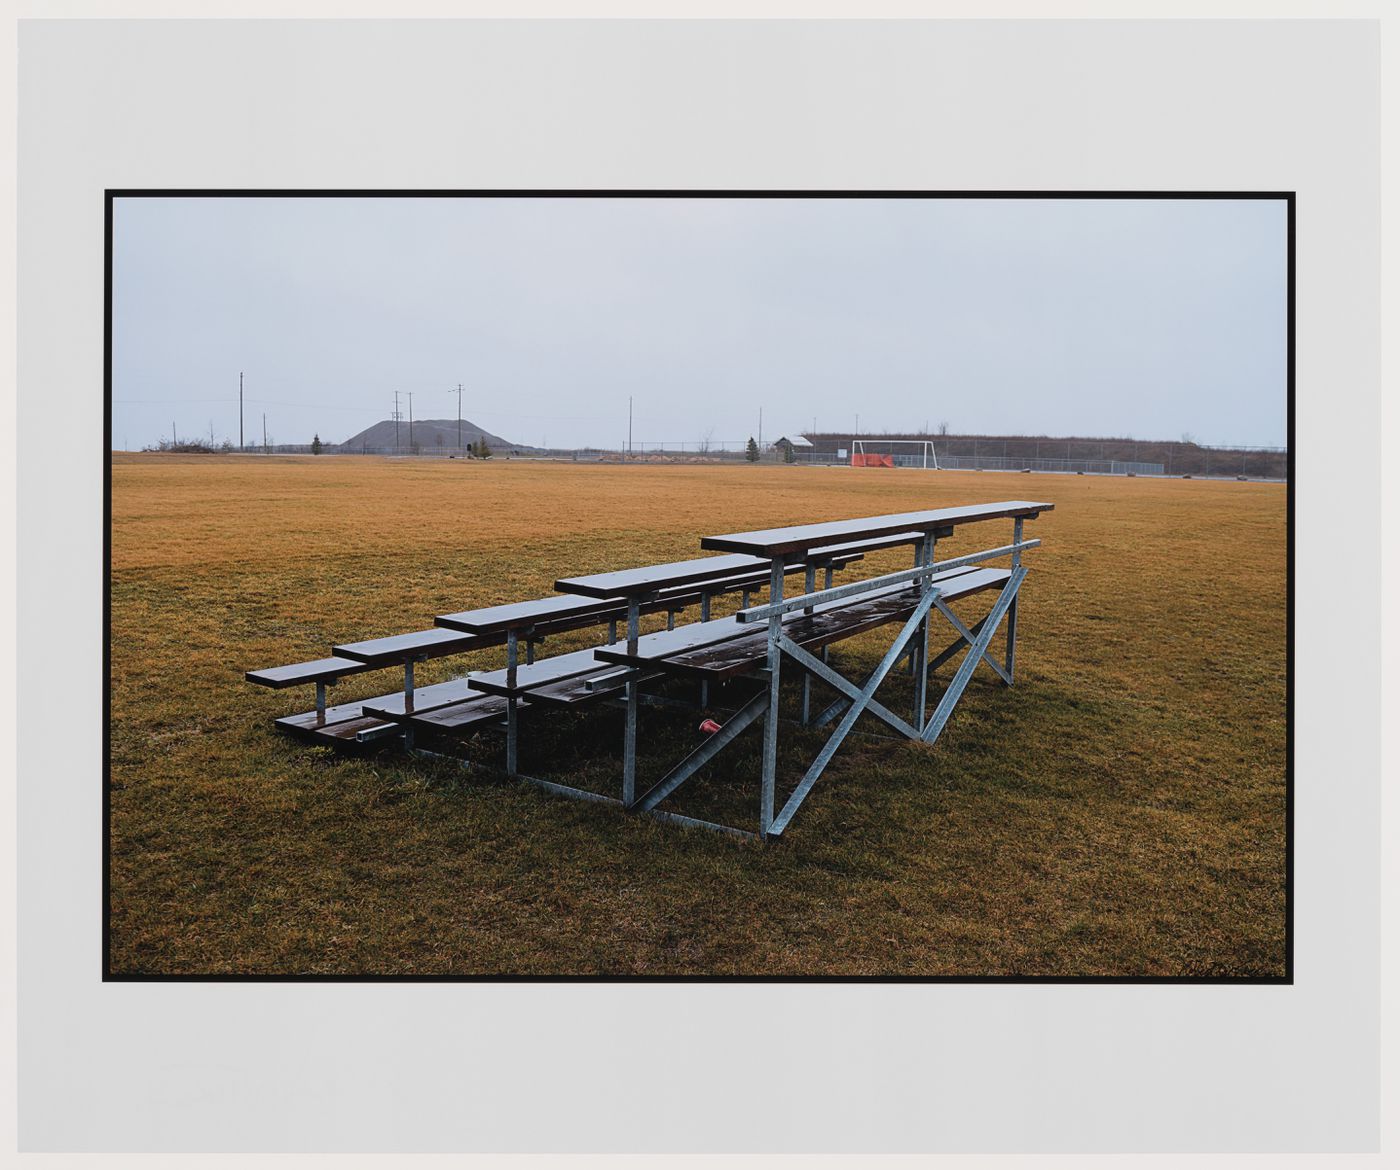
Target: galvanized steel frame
point(855, 700)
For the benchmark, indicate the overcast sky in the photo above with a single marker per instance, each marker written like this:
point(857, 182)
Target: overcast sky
point(1148, 318)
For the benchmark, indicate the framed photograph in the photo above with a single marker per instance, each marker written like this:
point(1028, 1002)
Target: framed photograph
point(1011, 788)
point(700, 633)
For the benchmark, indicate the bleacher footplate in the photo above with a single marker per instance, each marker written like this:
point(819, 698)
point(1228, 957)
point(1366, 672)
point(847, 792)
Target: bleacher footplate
point(341, 727)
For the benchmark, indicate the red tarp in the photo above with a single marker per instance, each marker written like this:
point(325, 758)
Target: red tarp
point(872, 460)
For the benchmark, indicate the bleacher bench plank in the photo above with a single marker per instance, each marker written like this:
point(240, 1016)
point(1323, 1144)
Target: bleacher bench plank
point(320, 670)
point(399, 648)
point(537, 674)
point(396, 708)
point(335, 731)
point(540, 611)
point(771, 542)
point(582, 689)
point(458, 718)
point(650, 578)
point(695, 635)
point(664, 647)
point(823, 627)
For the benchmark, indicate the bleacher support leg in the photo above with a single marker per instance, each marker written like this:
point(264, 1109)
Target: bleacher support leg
point(826, 650)
point(704, 682)
point(629, 742)
point(913, 666)
point(320, 701)
point(811, 584)
point(1011, 613)
point(770, 726)
point(918, 654)
point(512, 722)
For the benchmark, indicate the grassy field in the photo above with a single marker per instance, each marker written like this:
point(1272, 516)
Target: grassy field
point(1119, 812)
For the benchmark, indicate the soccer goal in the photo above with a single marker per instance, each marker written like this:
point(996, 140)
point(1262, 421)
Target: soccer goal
point(894, 453)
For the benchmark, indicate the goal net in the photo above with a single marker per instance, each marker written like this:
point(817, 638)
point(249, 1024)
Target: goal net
point(894, 453)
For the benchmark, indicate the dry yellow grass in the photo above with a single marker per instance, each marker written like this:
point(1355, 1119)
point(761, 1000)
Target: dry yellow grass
point(1119, 812)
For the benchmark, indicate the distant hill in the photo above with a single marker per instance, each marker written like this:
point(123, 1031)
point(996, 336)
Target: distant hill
point(429, 434)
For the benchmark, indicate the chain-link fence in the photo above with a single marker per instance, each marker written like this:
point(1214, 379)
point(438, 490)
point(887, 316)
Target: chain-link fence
point(1087, 466)
point(1090, 457)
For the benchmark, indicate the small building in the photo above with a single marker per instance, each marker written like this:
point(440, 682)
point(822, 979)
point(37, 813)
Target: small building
point(792, 443)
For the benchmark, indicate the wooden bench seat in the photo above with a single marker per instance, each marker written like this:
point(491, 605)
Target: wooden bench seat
point(861, 547)
point(397, 708)
point(650, 578)
point(824, 626)
point(797, 538)
point(461, 718)
point(337, 725)
point(401, 648)
point(554, 612)
point(560, 613)
point(581, 689)
point(299, 673)
point(687, 648)
point(361, 729)
point(546, 616)
point(710, 574)
point(654, 649)
point(537, 674)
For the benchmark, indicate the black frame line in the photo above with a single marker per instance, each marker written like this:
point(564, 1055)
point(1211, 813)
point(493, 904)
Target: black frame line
point(111, 194)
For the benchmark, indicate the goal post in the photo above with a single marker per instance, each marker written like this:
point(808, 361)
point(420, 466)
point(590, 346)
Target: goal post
point(918, 453)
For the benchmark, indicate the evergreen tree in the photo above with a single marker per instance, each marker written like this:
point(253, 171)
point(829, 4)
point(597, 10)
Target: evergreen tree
point(316, 444)
point(789, 455)
point(751, 454)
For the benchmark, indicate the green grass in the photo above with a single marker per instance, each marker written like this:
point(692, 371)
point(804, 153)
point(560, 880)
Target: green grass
point(1120, 811)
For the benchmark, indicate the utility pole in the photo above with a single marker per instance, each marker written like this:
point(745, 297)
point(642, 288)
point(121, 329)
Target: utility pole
point(760, 430)
point(172, 433)
point(410, 420)
point(629, 426)
point(459, 417)
point(240, 410)
point(211, 432)
point(396, 421)
point(264, 432)
point(857, 424)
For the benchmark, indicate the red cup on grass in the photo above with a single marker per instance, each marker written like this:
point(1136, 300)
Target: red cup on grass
point(709, 727)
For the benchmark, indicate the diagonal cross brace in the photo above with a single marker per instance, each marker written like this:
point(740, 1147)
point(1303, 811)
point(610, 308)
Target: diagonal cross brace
point(754, 709)
point(970, 636)
point(857, 708)
point(845, 686)
point(976, 651)
point(966, 638)
point(944, 655)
